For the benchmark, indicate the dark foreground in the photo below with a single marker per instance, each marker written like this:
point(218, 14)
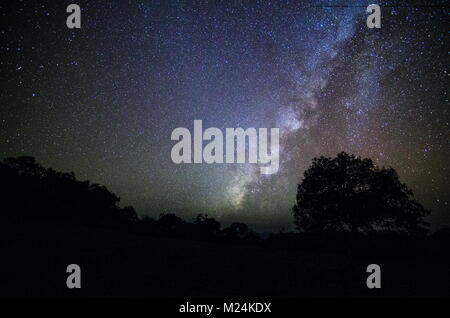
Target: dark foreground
point(34, 257)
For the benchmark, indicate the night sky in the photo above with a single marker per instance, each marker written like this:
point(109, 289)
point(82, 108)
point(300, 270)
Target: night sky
point(103, 100)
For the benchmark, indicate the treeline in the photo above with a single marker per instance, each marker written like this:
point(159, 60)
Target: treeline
point(201, 227)
point(30, 191)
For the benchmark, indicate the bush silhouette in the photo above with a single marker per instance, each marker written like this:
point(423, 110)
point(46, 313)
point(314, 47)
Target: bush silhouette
point(171, 223)
point(350, 194)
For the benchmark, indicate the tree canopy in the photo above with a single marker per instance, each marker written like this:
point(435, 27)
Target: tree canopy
point(347, 193)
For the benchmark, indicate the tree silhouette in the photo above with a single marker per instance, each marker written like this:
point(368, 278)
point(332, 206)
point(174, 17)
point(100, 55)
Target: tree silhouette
point(348, 193)
point(207, 224)
point(236, 230)
point(170, 222)
point(32, 191)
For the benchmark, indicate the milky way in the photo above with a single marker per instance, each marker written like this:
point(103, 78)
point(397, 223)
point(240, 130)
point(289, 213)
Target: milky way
point(103, 100)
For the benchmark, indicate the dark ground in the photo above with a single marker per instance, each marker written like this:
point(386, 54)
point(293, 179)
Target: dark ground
point(34, 257)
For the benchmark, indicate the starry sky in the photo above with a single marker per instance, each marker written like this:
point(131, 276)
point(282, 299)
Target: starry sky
point(103, 100)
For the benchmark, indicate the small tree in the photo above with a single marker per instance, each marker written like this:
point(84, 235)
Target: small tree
point(206, 224)
point(348, 193)
point(236, 230)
